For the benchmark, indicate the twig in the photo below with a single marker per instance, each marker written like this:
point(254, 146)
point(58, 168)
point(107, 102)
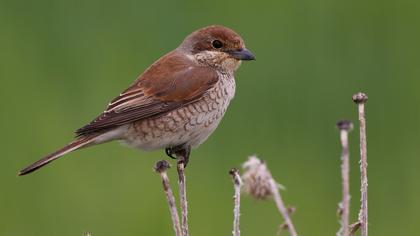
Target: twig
point(345, 127)
point(282, 208)
point(237, 183)
point(360, 99)
point(183, 197)
point(259, 183)
point(161, 168)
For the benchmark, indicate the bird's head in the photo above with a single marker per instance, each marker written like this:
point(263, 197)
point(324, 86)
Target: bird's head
point(216, 46)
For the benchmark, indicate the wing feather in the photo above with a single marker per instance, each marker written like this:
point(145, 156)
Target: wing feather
point(170, 83)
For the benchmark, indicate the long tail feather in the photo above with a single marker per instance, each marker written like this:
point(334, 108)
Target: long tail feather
point(79, 143)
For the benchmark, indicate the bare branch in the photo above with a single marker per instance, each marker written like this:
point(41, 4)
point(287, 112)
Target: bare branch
point(360, 99)
point(161, 168)
point(237, 183)
point(345, 127)
point(183, 197)
point(282, 208)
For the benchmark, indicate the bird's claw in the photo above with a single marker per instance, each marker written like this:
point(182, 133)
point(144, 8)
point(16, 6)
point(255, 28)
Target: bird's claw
point(180, 153)
point(169, 152)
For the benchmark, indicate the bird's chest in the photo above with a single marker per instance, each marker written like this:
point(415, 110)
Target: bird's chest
point(199, 119)
point(191, 124)
point(215, 103)
point(221, 94)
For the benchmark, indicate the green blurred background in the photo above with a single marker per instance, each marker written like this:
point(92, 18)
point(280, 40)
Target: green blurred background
point(62, 61)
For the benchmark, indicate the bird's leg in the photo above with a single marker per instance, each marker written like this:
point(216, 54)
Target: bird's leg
point(183, 155)
point(181, 152)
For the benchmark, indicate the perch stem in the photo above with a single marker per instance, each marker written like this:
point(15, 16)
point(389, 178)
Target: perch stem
point(183, 197)
point(363, 215)
point(237, 183)
point(344, 207)
point(161, 167)
point(360, 99)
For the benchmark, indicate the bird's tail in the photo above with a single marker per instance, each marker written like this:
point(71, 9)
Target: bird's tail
point(76, 144)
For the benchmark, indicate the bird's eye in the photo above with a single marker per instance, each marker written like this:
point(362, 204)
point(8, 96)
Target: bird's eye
point(217, 44)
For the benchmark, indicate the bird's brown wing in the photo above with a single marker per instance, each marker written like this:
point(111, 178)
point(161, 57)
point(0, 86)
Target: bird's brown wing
point(170, 83)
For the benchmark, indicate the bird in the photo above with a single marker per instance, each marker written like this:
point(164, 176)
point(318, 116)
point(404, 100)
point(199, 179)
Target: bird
point(175, 104)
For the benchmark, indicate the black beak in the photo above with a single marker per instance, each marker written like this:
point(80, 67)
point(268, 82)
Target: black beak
point(242, 54)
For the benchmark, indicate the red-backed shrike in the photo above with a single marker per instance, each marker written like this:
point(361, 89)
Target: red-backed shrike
point(175, 104)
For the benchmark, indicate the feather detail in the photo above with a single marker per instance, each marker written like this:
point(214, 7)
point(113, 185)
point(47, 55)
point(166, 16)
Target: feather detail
point(170, 83)
point(79, 143)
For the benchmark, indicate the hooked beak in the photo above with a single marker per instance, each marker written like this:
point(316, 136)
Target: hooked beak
point(242, 54)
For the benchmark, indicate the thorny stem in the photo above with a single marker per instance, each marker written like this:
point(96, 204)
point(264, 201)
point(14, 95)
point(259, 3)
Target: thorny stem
point(282, 208)
point(345, 127)
point(161, 167)
point(360, 99)
point(183, 197)
point(237, 183)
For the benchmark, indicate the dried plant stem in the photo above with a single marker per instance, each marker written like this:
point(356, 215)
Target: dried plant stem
point(282, 208)
point(183, 198)
point(345, 202)
point(161, 167)
point(259, 183)
point(344, 207)
point(237, 184)
point(360, 99)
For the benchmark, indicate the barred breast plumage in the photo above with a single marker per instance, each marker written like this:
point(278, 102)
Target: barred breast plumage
point(191, 124)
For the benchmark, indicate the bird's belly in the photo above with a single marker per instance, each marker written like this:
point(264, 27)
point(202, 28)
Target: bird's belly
point(191, 124)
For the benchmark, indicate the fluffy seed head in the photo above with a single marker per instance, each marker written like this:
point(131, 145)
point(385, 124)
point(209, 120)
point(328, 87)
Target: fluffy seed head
point(256, 178)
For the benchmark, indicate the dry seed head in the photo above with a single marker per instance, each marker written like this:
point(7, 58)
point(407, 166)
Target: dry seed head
point(161, 166)
point(256, 178)
point(345, 125)
point(360, 98)
point(236, 176)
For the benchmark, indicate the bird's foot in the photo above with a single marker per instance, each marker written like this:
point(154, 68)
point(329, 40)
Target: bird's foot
point(180, 153)
point(169, 152)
